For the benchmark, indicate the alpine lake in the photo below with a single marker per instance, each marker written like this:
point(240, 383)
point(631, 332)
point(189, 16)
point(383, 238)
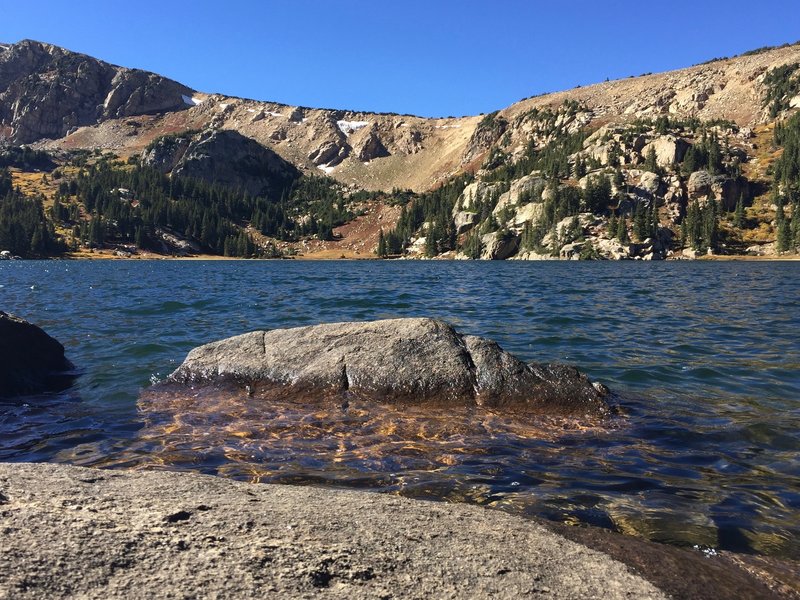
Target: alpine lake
point(703, 357)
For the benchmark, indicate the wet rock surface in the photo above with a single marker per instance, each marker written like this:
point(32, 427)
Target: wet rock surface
point(72, 532)
point(402, 361)
point(30, 360)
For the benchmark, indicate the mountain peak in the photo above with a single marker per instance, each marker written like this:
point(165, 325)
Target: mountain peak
point(47, 91)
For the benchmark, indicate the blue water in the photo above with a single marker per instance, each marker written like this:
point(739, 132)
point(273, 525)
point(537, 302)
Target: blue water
point(706, 358)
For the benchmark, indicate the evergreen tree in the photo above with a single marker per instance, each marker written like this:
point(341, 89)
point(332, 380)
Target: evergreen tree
point(640, 225)
point(710, 216)
point(690, 162)
point(651, 161)
point(580, 167)
point(597, 196)
point(622, 231)
point(714, 156)
point(612, 225)
point(780, 215)
point(619, 180)
point(738, 215)
point(783, 239)
point(554, 241)
point(381, 250)
point(472, 247)
point(654, 222)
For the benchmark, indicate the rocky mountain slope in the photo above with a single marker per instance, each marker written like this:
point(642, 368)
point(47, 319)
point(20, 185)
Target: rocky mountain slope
point(48, 92)
point(225, 157)
point(552, 175)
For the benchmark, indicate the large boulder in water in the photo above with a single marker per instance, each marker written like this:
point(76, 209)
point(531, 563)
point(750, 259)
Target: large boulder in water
point(30, 360)
point(403, 361)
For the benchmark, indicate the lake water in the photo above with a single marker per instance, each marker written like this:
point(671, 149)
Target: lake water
point(705, 357)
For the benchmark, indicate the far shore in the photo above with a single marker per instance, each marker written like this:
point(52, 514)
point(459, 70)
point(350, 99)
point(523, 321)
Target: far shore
point(349, 255)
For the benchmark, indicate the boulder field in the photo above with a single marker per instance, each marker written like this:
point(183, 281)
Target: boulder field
point(401, 361)
point(30, 360)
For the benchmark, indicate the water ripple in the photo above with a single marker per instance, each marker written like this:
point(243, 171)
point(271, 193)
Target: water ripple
point(705, 354)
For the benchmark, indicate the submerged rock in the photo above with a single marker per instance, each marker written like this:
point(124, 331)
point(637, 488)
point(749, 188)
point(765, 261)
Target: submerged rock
point(403, 361)
point(30, 360)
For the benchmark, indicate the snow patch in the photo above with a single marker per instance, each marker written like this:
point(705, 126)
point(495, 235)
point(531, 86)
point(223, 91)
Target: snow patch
point(191, 100)
point(326, 169)
point(447, 127)
point(223, 105)
point(275, 114)
point(348, 127)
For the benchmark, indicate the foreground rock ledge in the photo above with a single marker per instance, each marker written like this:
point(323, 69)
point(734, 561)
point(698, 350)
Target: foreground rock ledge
point(30, 360)
point(419, 361)
point(72, 532)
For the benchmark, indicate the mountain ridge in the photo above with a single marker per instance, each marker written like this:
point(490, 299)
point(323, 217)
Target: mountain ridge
point(388, 150)
point(524, 181)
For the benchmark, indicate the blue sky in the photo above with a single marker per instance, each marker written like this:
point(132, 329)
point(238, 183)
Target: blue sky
point(432, 58)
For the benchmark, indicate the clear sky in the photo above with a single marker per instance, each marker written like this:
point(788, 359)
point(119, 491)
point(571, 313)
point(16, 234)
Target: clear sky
point(426, 57)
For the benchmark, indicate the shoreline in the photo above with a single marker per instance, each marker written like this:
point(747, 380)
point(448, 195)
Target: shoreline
point(156, 532)
point(323, 258)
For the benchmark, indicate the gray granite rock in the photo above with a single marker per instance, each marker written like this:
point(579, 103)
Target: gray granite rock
point(414, 361)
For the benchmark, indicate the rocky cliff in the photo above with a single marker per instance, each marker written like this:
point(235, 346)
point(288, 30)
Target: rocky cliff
point(47, 92)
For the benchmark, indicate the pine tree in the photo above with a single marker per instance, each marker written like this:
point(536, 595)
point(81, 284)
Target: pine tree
point(738, 215)
point(651, 161)
point(783, 239)
point(612, 225)
point(692, 226)
point(640, 226)
point(711, 225)
point(554, 241)
point(580, 167)
point(619, 180)
point(690, 161)
point(472, 247)
point(795, 229)
point(381, 251)
point(714, 156)
point(622, 231)
point(780, 215)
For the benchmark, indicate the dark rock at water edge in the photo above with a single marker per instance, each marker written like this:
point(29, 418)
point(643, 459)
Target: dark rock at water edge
point(402, 361)
point(30, 360)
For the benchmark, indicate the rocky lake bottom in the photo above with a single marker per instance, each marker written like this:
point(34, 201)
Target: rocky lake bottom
point(704, 358)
